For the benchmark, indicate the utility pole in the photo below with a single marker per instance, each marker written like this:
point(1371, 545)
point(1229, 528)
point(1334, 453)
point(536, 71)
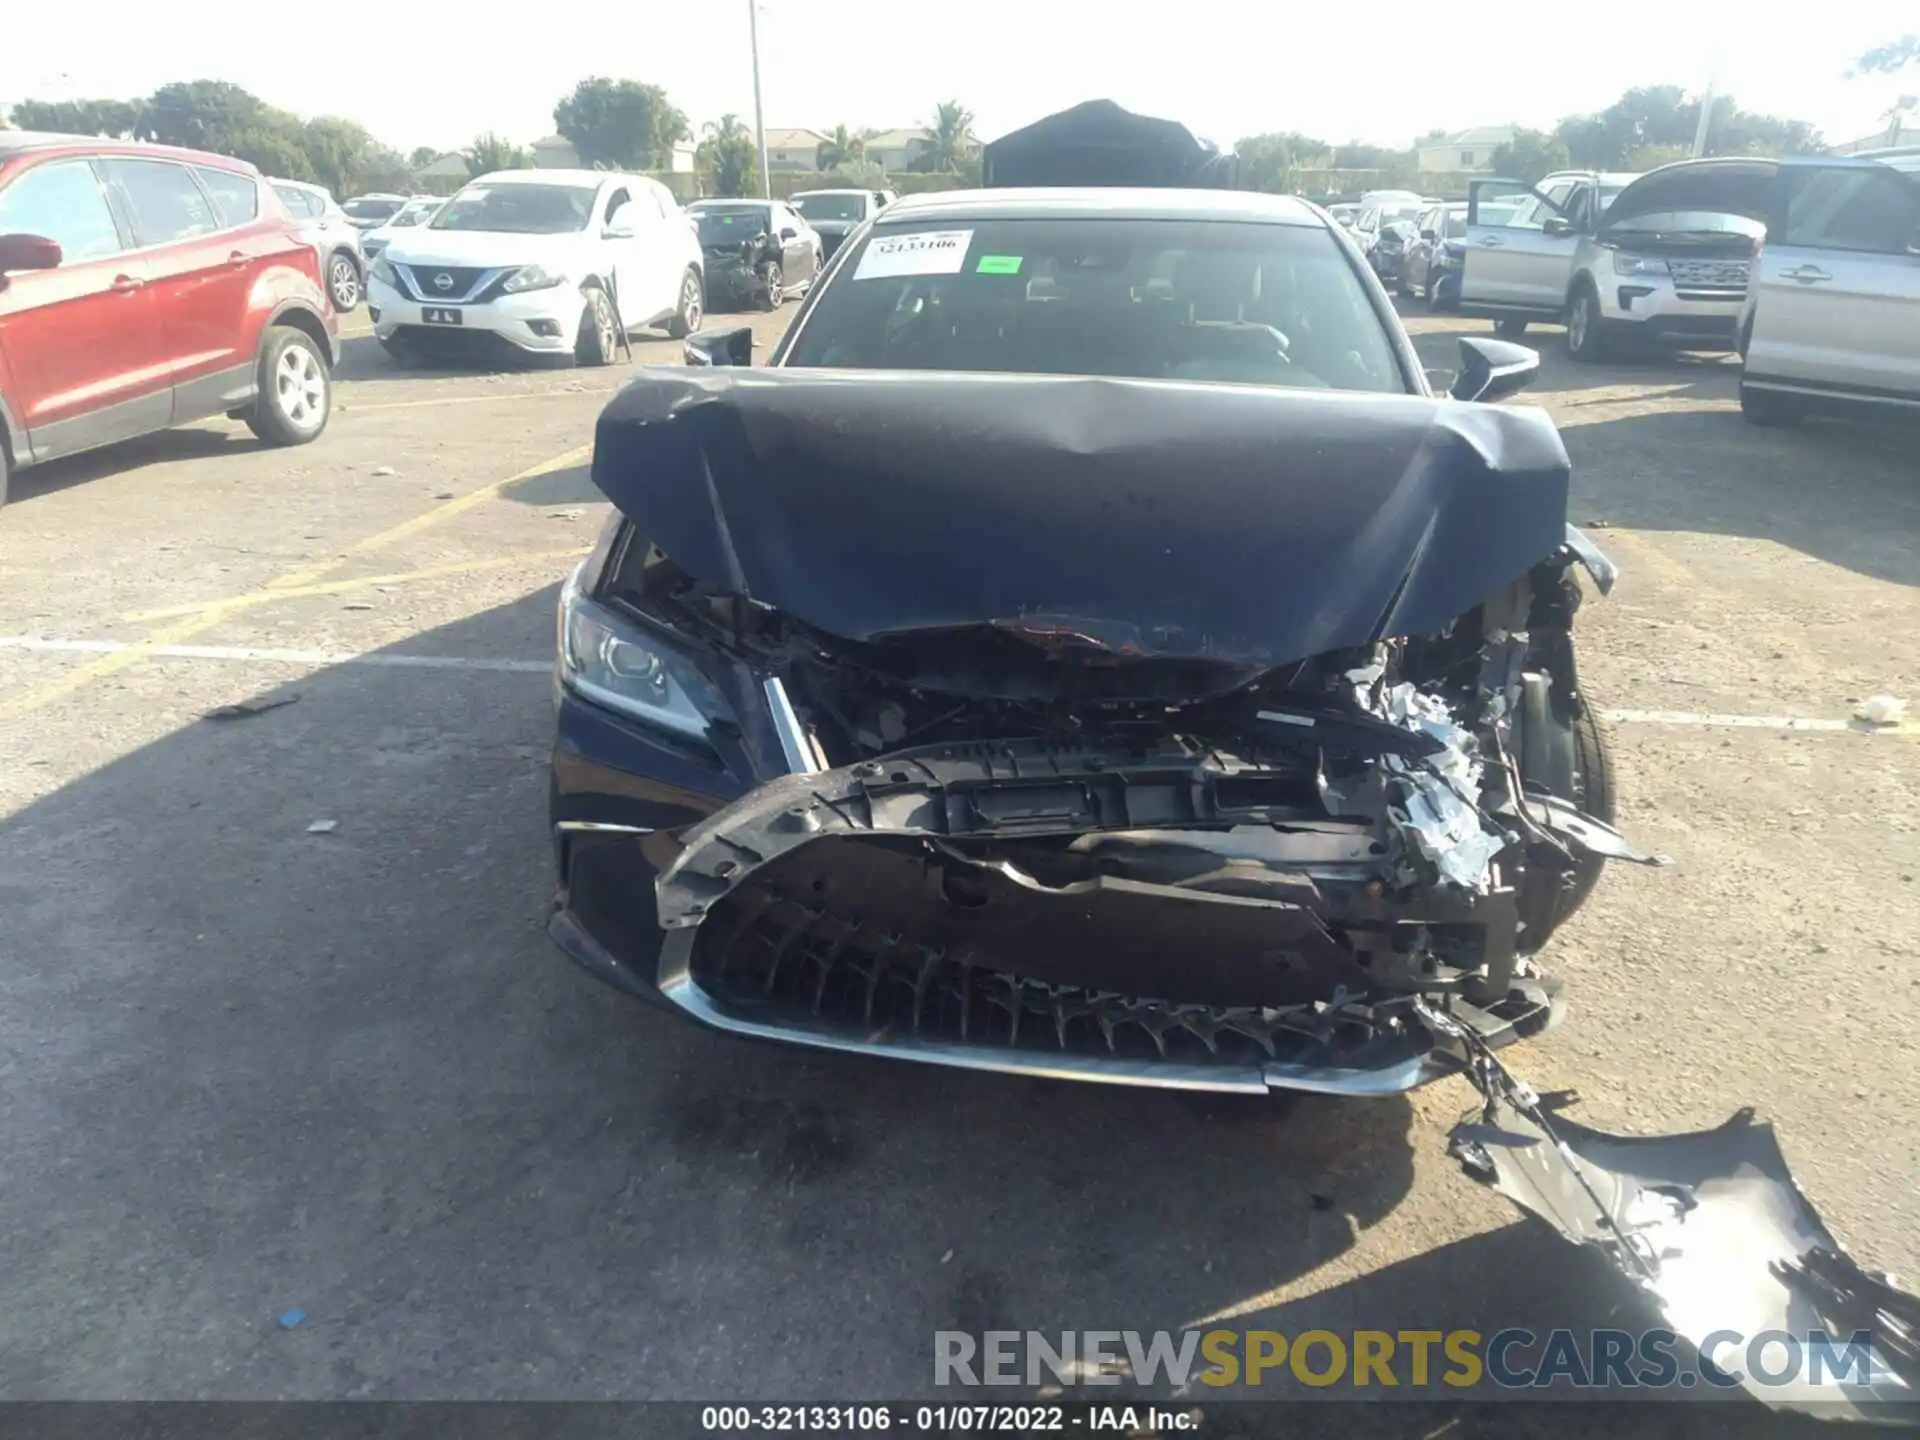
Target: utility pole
point(1706, 111)
point(759, 120)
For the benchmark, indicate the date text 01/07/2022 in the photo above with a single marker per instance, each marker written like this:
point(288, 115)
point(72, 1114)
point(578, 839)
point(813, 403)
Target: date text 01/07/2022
point(944, 1419)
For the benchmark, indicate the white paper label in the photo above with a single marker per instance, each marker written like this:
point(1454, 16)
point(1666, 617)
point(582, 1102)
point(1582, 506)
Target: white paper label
point(926, 252)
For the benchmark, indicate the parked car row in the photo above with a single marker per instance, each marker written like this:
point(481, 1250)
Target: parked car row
point(143, 287)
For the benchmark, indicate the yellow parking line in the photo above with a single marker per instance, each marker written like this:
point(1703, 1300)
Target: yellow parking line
point(353, 407)
point(364, 582)
point(214, 613)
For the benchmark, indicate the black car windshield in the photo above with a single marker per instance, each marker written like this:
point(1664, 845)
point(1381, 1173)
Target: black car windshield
point(736, 222)
point(1243, 303)
point(518, 209)
point(372, 209)
point(830, 207)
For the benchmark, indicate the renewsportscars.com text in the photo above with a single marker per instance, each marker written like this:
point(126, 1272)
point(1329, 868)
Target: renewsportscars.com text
point(1512, 1359)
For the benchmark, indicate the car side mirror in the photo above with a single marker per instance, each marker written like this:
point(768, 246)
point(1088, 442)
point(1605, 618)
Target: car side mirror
point(1557, 225)
point(1429, 235)
point(1490, 369)
point(724, 347)
point(789, 233)
point(28, 252)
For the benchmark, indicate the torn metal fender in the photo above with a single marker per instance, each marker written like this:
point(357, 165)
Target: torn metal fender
point(1712, 1226)
point(1598, 563)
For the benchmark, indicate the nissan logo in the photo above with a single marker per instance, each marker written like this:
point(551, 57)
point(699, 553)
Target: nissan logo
point(443, 281)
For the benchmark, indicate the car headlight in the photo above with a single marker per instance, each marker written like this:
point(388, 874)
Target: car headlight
point(384, 273)
point(613, 662)
point(531, 277)
point(1625, 264)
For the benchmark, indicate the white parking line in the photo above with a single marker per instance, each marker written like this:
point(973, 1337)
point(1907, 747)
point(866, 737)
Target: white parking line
point(384, 659)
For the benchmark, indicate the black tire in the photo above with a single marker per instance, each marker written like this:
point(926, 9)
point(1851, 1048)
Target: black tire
point(692, 307)
point(345, 285)
point(1510, 329)
point(599, 338)
point(1542, 910)
point(1587, 337)
point(773, 286)
point(4, 471)
point(296, 389)
point(1768, 407)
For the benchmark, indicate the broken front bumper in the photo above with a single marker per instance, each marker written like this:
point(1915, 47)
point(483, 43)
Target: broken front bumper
point(905, 908)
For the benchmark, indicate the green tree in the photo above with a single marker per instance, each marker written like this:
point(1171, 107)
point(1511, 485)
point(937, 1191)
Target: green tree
point(489, 152)
point(271, 149)
point(1273, 162)
point(339, 152)
point(116, 118)
point(843, 147)
point(205, 114)
point(423, 156)
point(854, 175)
point(1664, 117)
point(728, 159)
point(620, 124)
point(1529, 155)
point(1886, 59)
point(949, 139)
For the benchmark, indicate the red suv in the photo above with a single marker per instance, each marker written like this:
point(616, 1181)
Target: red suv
point(143, 287)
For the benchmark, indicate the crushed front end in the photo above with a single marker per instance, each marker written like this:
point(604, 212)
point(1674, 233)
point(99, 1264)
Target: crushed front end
point(1079, 841)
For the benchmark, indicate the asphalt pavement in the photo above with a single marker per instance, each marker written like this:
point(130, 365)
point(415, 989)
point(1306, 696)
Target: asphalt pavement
point(280, 1029)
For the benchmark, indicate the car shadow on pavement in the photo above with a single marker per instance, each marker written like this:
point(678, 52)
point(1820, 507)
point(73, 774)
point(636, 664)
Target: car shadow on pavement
point(198, 442)
point(1838, 492)
point(571, 486)
point(260, 1069)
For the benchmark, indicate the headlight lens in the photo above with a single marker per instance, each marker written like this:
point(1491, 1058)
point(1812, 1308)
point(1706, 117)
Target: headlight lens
point(384, 273)
point(532, 277)
point(1625, 264)
point(614, 663)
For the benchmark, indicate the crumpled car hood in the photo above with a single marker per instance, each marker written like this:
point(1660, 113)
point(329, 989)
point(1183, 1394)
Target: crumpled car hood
point(1234, 523)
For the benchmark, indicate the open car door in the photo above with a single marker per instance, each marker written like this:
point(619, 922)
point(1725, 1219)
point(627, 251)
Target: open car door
point(1520, 244)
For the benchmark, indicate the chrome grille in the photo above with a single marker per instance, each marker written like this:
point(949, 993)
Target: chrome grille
point(425, 280)
point(1721, 274)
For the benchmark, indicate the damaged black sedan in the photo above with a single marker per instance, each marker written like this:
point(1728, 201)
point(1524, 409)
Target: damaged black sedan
point(1088, 650)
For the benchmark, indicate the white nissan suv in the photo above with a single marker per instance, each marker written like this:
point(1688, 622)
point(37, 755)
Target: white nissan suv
point(543, 262)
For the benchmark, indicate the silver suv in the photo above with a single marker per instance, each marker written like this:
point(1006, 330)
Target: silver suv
point(326, 227)
point(1833, 316)
point(1663, 257)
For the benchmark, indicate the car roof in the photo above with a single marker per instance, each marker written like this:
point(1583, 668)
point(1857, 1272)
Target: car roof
point(846, 190)
point(1900, 157)
point(1102, 203)
point(555, 177)
point(24, 142)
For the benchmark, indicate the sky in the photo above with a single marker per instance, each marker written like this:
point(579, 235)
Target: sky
point(1225, 68)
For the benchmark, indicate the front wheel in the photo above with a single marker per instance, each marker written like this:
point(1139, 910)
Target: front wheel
point(1586, 329)
point(296, 392)
point(693, 301)
point(774, 285)
point(1510, 329)
point(599, 338)
point(343, 282)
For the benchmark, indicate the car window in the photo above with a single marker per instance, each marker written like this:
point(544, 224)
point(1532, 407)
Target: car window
point(722, 226)
point(296, 200)
point(363, 208)
point(620, 196)
point(519, 209)
point(165, 204)
point(1853, 209)
point(1195, 300)
point(831, 207)
point(61, 202)
point(236, 196)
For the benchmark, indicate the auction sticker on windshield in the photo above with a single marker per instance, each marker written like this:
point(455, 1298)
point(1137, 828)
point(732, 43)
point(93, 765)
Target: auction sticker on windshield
point(926, 252)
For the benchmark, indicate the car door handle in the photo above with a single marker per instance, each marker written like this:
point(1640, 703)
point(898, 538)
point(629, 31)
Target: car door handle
point(1807, 274)
point(126, 284)
point(237, 259)
point(1492, 242)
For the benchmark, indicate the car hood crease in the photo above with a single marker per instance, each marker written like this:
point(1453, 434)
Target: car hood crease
point(1241, 524)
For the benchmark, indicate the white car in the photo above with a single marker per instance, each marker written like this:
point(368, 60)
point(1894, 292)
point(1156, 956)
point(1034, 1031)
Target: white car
point(417, 211)
point(541, 262)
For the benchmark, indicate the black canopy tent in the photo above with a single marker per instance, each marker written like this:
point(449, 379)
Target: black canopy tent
point(1099, 143)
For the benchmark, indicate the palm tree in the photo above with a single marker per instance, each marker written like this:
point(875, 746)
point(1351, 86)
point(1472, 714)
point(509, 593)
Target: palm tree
point(728, 156)
point(843, 147)
point(949, 139)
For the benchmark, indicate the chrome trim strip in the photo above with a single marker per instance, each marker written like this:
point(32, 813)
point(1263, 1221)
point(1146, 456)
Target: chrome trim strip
point(405, 269)
point(601, 827)
point(793, 740)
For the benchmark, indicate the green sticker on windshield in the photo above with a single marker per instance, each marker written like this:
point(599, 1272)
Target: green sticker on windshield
point(998, 265)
